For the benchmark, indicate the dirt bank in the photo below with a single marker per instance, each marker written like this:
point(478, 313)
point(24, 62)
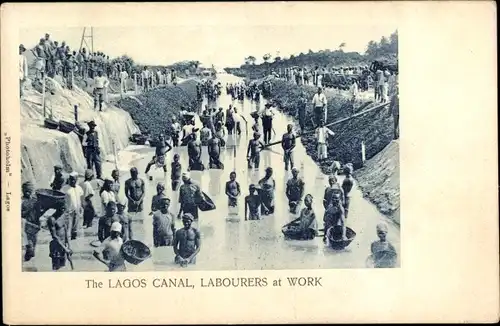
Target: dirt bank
point(43, 148)
point(375, 129)
point(153, 111)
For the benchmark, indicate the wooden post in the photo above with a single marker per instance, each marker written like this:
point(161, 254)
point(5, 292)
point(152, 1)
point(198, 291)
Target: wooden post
point(135, 82)
point(76, 112)
point(43, 94)
point(115, 155)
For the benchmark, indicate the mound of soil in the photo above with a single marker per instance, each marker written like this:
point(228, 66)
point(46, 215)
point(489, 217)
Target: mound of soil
point(375, 128)
point(379, 180)
point(153, 111)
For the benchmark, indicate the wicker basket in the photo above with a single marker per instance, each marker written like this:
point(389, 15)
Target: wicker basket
point(66, 127)
point(335, 237)
point(49, 198)
point(135, 252)
point(51, 124)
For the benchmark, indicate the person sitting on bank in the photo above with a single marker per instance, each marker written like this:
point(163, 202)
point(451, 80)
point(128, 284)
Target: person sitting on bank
point(306, 225)
point(383, 252)
point(187, 242)
point(163, 224)
point(109, 252)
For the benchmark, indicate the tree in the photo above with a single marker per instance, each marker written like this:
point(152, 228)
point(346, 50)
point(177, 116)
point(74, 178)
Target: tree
point(372, 48)
point(252, 59)
point(342, 46)
point(277, 59)
point(266, 57)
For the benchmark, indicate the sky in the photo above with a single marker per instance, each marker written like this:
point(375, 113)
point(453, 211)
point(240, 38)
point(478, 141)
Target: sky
point(220, 45)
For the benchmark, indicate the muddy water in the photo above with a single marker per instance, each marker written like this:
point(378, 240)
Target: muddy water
point(229, 242)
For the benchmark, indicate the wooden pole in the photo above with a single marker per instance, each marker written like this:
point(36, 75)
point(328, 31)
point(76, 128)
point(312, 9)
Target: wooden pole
point(135, 82)
point(76, 112)
point(363, 152)
point(43, 95)
point(381, 105)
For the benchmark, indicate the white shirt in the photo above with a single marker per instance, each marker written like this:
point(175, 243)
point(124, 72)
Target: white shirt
point(319, 100)
point(322, 134)
point(74, 199)
point(23, 67)
point(87, 189)
point(145, 73)
point(101, 82)
point(112, 248)
point(123, 75)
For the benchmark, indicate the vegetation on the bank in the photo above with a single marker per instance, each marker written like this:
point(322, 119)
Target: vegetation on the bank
point(385, 50)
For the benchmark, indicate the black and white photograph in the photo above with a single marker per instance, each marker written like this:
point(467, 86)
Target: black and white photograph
point(141, 155)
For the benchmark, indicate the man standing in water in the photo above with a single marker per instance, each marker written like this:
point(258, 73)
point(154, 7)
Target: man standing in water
point(194, 153)
point(214, 147)
point(301, 114)
point(233, 191)
point(267, 123)
point(288, 144)
point(268, 186)
point(175, 173)
point(347, 185)
point(188, 195)
point(294, 191)
point(162, 148)
point(319, 105)
point(59, 246)
point(253, 151)
point(252, 204)
point(187, 242)
point(30, 215)
point(109, 253)
point(134, 191)
point(176, 129)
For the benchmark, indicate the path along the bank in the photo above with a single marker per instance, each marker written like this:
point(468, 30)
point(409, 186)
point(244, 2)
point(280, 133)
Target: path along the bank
point(235, 244)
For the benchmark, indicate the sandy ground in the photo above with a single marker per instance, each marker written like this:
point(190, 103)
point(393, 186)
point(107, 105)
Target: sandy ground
point(230, 243)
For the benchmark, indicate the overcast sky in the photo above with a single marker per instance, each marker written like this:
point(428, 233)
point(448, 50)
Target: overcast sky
point(219, 45)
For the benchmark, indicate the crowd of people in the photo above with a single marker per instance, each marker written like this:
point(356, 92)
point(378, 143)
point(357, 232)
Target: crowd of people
point(58, 59)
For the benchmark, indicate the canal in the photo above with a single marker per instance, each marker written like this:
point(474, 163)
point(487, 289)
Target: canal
point(230, 243)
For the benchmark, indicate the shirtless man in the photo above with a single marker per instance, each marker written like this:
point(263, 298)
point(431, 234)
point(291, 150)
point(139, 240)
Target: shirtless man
point(189, 193)
point(59, 246)
point(347, 185)
point(162, 148)
point(163, 224)
point(252, 204)
point(332, 189)
point(205, 135)
point(134, 191)
point(268, 187)
point(253, 151)
point(194, 153)
point(160, 193)
point(59, 180)
point(294, 191)
point(105, 221)
point(175, 173)
point(187, 242)
point(233, 191)
point(383, 252)
point(124, 219)
point(214, 148)
point(109, 252)
point(30, 213)
point(288, 144)
point(334, 216)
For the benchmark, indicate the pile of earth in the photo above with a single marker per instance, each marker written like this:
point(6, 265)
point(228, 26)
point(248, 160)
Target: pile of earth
point(153, 111)
point(375, 128)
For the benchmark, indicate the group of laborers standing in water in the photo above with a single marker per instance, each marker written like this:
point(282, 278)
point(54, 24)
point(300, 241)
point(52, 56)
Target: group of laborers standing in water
point(114, 225)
